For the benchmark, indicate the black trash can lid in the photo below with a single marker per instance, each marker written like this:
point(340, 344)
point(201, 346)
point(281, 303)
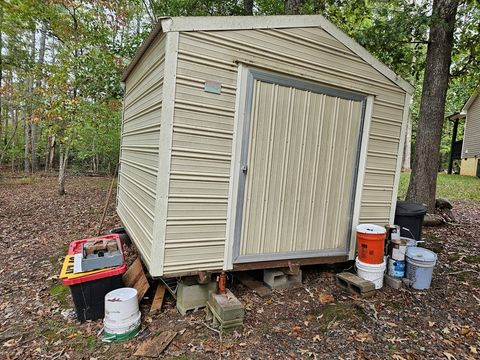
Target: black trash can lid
point(406, 208)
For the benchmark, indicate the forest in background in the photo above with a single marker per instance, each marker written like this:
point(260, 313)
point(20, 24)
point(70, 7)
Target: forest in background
point(61, 61)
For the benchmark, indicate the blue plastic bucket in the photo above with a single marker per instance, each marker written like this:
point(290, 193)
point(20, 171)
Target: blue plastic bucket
point(419, 269)
point(396, 268)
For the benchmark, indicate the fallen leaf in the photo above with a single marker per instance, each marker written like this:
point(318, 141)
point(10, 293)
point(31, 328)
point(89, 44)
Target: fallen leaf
point(465, 330)
point(431, 323)
point(362, 337)
point(326, 298)
point(296, 330)
point(398, 357)
point(316, 338)
point(10, 343)
point(445, 330)
point(391, 324)
point(473, 349)
point(449, 356)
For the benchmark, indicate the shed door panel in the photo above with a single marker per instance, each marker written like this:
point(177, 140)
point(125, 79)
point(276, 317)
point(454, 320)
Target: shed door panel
point(299, 184)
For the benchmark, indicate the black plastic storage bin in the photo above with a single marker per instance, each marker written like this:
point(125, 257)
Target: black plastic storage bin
point(410, 215)
point(89, 297)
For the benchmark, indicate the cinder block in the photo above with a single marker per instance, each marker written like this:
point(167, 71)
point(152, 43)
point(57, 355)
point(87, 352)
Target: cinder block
point(393, 282)
point(192, 295)
point(225, 310)
point(280, 279)
point(356, 285)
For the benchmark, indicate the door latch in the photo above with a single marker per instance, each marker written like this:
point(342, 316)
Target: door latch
point(244, 169)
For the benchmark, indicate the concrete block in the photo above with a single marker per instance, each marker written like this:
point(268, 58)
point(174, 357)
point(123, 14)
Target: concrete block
point(225, 310)
point(356, 285)
point(280, 278)
point(192, 295)
point(393, 282)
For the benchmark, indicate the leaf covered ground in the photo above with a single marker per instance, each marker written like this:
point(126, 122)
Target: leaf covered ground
point(316, 320)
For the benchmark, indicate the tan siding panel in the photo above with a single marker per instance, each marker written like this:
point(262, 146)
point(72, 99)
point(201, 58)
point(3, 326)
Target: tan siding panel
point(139, 148)
point(471, 137)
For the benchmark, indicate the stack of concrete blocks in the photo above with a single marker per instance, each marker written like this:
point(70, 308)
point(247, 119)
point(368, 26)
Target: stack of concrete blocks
point(191, 295)
point(282, 278)
point(225, 310)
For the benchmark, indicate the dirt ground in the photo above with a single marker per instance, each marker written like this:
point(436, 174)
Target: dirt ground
point(316, 321)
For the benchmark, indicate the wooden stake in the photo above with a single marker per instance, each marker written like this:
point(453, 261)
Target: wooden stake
point(108, 200)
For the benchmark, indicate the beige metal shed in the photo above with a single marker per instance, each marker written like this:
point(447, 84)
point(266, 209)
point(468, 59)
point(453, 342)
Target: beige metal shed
point(248, 142)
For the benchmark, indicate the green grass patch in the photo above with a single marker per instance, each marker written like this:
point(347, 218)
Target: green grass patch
point(472, 259)
point(60, 293)
point(452, 187)
point(339, 312)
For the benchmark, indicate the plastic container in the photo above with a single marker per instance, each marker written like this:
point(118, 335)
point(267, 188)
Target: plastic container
point(371, 272)
point(396, 268)
point(122, 315)
point(419, 267)
point(89, 288)
point(410, 242)
point(371, 243)
point(410, 216)
point(397, 249)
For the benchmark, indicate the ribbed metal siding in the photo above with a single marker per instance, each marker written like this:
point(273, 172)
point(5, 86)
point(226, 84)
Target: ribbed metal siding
point(139, 147)
point(471, 137)
point(301, 164)
point(200, 167)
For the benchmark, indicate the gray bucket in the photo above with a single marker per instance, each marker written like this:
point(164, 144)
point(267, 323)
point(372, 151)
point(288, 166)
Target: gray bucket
point(419, 267)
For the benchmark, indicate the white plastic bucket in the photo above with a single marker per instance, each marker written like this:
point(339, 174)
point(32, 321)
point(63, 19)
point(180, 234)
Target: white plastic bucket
point(371, 272)
point(122, 316)
point(419, 267)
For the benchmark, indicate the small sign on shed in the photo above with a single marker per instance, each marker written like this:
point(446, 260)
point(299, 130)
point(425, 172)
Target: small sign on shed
point(213, 87)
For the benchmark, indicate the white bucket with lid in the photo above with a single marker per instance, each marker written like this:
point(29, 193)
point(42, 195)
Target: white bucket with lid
point(419, 267)
point(371, 272)
point(122, 315)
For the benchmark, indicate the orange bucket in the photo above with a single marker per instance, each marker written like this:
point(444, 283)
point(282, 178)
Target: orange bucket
point(371, 243)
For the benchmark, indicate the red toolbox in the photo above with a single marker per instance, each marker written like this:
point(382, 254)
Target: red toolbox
point(89, 288)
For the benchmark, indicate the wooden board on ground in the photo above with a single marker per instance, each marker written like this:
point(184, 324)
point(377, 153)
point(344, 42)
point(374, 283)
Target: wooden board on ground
point(158, 299)
point(135, 277)
point(155, 346)
point(252, 284)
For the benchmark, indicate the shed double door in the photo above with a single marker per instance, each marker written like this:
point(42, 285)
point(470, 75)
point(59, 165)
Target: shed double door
point(300, 153)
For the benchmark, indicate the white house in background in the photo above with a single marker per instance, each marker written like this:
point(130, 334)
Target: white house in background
point(471, 137)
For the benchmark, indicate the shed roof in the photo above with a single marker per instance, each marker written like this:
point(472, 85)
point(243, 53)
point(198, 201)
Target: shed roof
point(212, 23)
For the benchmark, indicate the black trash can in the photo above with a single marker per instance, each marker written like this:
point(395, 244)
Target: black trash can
point(410, 215)
point(124, 238)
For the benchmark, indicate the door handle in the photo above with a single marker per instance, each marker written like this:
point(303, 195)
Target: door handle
point(244, 169)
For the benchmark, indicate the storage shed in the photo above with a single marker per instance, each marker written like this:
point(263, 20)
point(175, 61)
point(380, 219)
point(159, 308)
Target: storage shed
point(470, 165)
point(248, 142)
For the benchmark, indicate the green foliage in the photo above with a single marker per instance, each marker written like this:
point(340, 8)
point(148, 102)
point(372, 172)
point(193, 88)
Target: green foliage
point(75, 94)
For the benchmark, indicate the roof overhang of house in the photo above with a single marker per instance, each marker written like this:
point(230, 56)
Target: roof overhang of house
point(218, 23)
point(469, 102)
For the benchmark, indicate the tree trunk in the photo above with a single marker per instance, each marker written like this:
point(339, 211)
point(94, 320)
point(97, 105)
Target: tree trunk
point(248, 7)
point(423, 181)
point(407, 148)
point(38, 84)
point(292, 7)
point(62, 168)
point(26, 158)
